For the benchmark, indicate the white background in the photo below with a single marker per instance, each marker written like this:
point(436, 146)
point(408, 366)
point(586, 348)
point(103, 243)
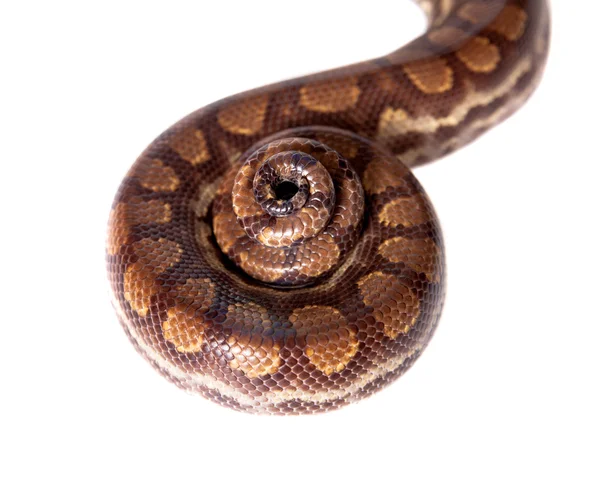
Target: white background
point(505, 397)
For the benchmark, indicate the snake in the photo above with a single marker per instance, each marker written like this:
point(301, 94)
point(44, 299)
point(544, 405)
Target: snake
point(273, 251)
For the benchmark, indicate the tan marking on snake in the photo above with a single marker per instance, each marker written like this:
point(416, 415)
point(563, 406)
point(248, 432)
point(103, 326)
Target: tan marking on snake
point(479, 55)
point(498, 115)
point(244, 117)
point(431, 76)
point(330, 342)
point(118, 229)
point(254, 354)
point(263, 263)
point(136, 211)
point(278, 236)
point(421, 255)
point(195, 379)
point(476, 126)
point(190, 144)
point(309, 216)
point(347, 197)
point(206, 195)
point(230, 150)
point(155, 175)
point(391, 122)
point(394, 304)
point(317, 255)
point(510, 23)
point(227, 230)
point(407, 211)
point(313, 258)
point(390, 127)
point(185, 325)
point(330, 96)
point(139, 282)
point(244, 204)
point(381, 175)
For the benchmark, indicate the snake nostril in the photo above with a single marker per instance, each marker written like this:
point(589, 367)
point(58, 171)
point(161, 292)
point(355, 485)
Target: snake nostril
point(285, 190)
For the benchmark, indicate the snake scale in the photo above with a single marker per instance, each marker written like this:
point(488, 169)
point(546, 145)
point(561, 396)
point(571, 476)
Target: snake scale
point(274, 253)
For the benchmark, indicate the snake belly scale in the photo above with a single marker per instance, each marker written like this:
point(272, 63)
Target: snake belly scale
point(273, 251)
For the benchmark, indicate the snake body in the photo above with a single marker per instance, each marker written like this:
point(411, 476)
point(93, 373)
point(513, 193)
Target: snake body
point(274, 253)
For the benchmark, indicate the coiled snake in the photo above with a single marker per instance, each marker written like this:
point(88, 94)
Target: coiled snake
point(274, 253)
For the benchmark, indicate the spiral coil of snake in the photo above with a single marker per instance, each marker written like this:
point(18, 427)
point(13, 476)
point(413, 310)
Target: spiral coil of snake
point(274, 253)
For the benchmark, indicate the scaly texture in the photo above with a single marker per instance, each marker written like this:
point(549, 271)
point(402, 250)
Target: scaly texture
point(274, 253)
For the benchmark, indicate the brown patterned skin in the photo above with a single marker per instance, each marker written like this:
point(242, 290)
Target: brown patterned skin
point(274, 253)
